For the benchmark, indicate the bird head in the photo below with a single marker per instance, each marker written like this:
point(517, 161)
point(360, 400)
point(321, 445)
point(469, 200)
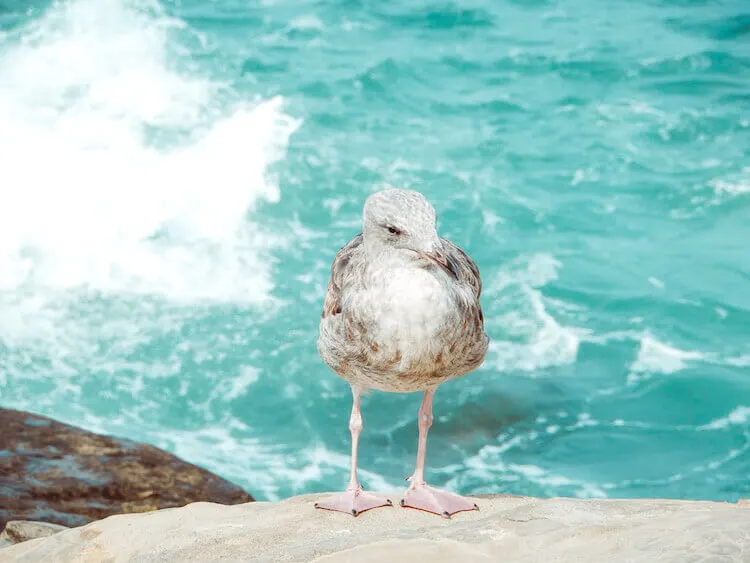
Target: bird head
point(403, 221)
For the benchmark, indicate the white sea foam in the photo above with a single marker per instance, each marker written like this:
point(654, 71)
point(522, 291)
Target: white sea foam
point(307, 22)
point(739, 416)
point(721, 189)
point(739, 361)
point(552, 482)
point(535, 339)
point(735, 186)
point(234, 387)
point(657, 357)
point(90, 200)
point(534, 271)
point(488, 466)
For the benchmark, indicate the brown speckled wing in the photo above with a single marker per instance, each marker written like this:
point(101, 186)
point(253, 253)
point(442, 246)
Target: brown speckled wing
point(332, 303)
point(468, 272)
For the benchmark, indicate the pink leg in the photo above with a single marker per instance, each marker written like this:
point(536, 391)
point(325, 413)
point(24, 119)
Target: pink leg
point(420, 495)
point(354, 500)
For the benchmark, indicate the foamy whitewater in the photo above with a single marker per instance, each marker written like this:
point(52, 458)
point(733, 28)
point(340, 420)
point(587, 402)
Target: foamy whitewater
point(177, 176)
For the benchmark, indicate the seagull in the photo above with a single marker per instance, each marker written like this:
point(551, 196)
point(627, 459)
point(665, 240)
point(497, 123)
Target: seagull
point(401, 314)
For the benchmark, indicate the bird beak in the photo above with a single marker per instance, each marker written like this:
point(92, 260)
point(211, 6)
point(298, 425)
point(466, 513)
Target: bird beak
point(441, 259)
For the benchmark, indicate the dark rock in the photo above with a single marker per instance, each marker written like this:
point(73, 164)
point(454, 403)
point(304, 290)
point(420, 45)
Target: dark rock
point(53, 472)
point(17, 531)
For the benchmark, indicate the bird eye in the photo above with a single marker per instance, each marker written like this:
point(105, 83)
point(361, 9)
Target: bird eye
point(393, 230)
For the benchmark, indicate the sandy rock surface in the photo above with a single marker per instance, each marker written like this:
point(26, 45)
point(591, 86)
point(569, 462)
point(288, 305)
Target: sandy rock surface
point(507, 528)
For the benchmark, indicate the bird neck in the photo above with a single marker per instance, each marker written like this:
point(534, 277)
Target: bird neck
point(380, 254)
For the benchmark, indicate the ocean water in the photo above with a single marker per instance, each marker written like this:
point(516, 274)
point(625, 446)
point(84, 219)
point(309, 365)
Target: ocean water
point(176, 177)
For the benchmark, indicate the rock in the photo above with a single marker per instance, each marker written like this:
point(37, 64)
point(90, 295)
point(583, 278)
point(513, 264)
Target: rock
point(17, 531)
point(57, 473)
point(518, 529)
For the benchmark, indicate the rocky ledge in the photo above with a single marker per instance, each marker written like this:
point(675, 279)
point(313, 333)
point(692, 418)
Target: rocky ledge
point(506, 528)
point(56, 473)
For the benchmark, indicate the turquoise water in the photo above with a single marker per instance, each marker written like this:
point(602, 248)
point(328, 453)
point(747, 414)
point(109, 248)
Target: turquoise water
point(177, 177)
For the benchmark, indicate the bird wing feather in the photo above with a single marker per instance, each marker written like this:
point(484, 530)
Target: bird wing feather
point(332, 303)
point(466, 268)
